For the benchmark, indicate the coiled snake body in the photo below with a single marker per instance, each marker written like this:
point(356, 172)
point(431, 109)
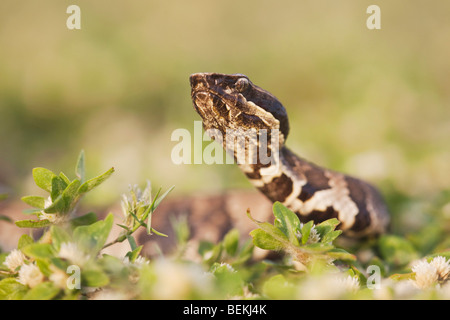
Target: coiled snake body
point(233, 102)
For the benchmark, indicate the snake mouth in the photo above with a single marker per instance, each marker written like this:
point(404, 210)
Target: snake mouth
point(200, 96)
point(199, 99)
point(206, 102)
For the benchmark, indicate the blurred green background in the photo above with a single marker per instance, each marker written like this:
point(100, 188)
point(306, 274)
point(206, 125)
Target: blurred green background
point(373, 103)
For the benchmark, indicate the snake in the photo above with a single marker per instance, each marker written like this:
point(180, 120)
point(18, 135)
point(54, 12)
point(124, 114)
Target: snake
point(230, 105)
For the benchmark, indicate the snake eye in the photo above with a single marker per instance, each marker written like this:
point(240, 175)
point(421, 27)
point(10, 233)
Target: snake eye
point(242, 84)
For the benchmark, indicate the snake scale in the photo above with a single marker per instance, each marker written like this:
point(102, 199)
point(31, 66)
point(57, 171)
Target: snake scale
point(233, 102)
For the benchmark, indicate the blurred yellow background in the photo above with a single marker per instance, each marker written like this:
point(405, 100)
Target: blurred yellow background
point(372, 103)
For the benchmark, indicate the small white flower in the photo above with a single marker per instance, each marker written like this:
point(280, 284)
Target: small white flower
point(125, 206)
point(48, 202)
point(58, 277)
point(47, 216)
point(71, 252)
point(30, 275)
point(442, 267)
point(136, 199)
point(14, 260)
point(328, 286)
point(404, 289)
point(351, 284)
point(429, 274)
point(227, 266)
point(314, 236)
point(176, 281)
point(426, 274)
point(138, 262)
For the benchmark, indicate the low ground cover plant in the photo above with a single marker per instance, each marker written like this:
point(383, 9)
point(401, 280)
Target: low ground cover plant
point(311, 261)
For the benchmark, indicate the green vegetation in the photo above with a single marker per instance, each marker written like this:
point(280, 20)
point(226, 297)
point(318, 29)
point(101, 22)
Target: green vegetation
point(67, 262)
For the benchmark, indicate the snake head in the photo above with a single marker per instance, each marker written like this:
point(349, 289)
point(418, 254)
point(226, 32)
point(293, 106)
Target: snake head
point(234, 102)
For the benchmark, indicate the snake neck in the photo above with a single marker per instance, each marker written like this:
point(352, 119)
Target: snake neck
point(318, 194)
point(287, 178)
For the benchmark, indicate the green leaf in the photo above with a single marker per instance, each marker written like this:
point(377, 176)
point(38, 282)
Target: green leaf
point(11, 289)
point(341, 254)
point(94, 277)
point(330, 236)
point(245, 253)
point(113, 266)
point(28, 212)
point(33, 223)
point(94, 182)
point(5, 218)
point(44, 266)
point(60, 263)
point(321, 266)
point(59, 236)
point(287, 221)
point(317, 247)
point(274, 240)
point(132, 242)
point(124, 227)
point(445, 254)
point(396, 250)
point(160, 198)
point(94, 236)
point(277, 287)
point(139, 221)
point(231, 242)
point(306, 231)
point(43, 178)
point(229, 281)
point(80, 169)
point(43, 291)
point(84, 220)
point(353, 271)
point(2, 260)
point(148, 213)
point(152, 230)
point(181, 228)
point(155, 203)
point(149, 224)
point(132, 255)
point(209, 252)
point(24, 241)
point(3, 196)
point(58, 186)
point(268, 236)
point(65, 202)
point(327, 226)
point(403, 276)
point(64, 178)
point(39, 250)
point(34, 201)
